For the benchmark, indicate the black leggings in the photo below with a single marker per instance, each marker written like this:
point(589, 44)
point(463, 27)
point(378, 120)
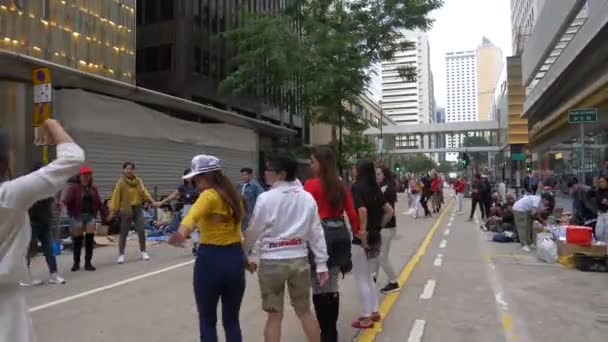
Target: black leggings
point(327, 309)
point(474, 205)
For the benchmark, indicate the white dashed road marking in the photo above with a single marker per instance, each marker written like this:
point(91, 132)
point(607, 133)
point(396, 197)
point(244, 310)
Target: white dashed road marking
point(417, 331)
point(429, 289)
point(446, 232)
point(443, 243)
point(449, 224)
point(438, 260)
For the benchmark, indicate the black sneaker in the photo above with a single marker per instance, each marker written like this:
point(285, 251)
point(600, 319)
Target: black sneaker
point(390, 287)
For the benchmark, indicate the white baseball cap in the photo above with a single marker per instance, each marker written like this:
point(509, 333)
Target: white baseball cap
point(203, 163)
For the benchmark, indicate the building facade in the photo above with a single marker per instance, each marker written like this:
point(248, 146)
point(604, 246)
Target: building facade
point(177, 54)
point(96, 37)
point(524, 14)
point(406, 102)
point(489, 65)
point(564, 68)
point(369, 111)
point(89, 52)
point(461, 73)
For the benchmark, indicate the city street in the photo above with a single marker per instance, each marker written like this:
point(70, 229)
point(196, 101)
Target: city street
point(458, 286)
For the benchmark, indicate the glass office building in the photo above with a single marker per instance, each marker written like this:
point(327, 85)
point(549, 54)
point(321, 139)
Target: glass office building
point(94, 36)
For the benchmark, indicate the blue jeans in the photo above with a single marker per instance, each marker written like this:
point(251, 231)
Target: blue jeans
point(219, 274)
point(42, 233)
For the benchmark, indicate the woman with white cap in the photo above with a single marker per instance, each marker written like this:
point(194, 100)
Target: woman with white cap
point(16, 197)
point(219, 271)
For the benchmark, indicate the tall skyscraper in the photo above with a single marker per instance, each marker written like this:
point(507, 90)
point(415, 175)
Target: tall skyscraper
point(489, 66)
point(461, 72)
point(524, 14)
point(409, 102)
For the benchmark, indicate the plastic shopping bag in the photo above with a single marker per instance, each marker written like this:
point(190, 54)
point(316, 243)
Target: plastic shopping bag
point(546, 249)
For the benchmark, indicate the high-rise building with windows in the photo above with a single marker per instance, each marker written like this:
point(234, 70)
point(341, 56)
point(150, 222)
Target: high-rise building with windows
point(409, 102)
point(96, 37)
point(489, 66)
point(178, 53)
point(524, 14)
point(461, 73)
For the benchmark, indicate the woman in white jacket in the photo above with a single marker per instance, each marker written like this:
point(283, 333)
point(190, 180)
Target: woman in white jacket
point(16, 197)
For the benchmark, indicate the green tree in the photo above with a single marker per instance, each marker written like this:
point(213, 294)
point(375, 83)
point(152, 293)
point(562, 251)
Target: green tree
point(418, 163)
point(446, 167)
point(314, 55)
point(479, 158)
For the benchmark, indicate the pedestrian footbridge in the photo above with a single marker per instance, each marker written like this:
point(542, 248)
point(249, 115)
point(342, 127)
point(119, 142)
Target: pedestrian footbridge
point(438, 138)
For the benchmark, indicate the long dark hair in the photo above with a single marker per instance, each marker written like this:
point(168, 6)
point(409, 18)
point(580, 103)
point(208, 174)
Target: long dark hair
point(222, 184)
point(366, 179)
point(389, 177)
point(330, 179)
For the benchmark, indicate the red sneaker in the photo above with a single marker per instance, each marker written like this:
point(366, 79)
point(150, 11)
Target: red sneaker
point(359, 324)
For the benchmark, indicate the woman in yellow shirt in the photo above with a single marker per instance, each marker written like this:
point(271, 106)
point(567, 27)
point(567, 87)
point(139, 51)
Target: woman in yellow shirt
point(128, 198)
point(219, 271)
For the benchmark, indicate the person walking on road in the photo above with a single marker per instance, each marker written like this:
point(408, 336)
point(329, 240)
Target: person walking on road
point(415, 192)
point(524, 209)
point(385, 180)
point(459, 187)
point(333, 200)
point(374, 213)
point(486, 198)
point(16, 197)
point(250, 190)
point(436, 190)
point(476, 196)
point(83, 203)
point(601, 199)
point(41, 220)
point(427, 193)
point(285, 220)
point(186, 195)
point(127, 199)
point(219, 270)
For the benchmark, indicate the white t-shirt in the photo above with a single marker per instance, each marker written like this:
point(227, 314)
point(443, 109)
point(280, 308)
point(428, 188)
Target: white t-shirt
point(527, 203)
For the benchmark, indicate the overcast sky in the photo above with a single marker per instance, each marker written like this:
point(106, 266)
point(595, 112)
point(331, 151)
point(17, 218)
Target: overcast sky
point(460, 25)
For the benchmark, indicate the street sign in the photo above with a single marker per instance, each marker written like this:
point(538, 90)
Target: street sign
point(585, 115)
point(518, 156)
point(42, 112)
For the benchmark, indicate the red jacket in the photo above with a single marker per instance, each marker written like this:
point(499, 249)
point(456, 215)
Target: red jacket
point(459, 186)
point(314, 187)
point(435, 184)
point(73, 200)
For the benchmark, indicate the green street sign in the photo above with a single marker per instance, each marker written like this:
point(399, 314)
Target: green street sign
point(518, 156)
point(577, 116)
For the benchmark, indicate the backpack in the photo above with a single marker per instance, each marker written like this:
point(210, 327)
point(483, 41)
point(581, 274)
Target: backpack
point(338, 242)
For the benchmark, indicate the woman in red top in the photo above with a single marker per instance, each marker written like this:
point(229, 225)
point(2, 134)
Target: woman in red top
point(333, 199)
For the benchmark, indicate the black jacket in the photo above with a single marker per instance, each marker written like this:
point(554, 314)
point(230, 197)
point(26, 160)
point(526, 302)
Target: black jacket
point(42, 211)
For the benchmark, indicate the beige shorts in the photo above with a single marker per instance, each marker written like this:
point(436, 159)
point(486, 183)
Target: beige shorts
point(273, 274)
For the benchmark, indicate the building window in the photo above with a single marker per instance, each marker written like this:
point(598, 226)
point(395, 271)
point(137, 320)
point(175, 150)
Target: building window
point(156, 58)
point(196, 11)
point(166, 9)
point(197, 59)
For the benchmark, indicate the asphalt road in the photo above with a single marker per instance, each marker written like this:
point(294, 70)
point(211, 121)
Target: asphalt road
point(458, 286)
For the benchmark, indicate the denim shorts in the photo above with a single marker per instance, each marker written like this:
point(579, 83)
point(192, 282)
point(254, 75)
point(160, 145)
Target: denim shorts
point(81, 221)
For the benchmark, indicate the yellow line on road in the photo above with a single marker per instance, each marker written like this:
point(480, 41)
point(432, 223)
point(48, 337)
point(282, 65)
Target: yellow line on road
point(389, 300)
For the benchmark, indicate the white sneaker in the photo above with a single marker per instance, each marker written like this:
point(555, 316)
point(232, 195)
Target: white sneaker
point(56, 279)
point(145, 256)
point(33, 282)
point(121, 259)
point(526, 249)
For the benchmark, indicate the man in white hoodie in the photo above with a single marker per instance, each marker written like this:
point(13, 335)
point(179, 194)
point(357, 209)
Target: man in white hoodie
point(285, 222)
point(16, 197)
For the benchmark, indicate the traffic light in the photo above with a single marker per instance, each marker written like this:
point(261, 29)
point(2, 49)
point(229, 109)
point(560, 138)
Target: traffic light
point(397, 168)
point(465, 159)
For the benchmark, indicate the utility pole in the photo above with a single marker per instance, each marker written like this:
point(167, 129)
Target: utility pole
point(381, 133)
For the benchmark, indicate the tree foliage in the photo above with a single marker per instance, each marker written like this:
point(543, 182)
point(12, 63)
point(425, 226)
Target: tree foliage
point(479, 158)
point(419, 163)
point(317, 53)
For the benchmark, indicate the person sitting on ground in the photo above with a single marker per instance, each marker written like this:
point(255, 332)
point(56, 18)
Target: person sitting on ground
point(165, 216)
